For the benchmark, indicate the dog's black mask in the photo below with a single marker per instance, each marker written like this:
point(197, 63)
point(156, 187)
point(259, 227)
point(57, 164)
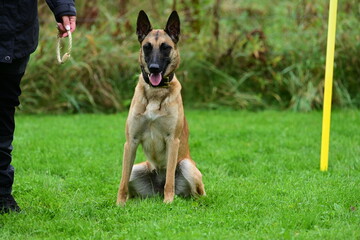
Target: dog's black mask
point(157, 53)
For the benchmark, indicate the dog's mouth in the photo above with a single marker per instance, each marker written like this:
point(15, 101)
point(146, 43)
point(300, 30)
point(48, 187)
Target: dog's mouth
point(155, 78)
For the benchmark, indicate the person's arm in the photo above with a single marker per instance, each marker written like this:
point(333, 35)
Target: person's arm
point(65, 15)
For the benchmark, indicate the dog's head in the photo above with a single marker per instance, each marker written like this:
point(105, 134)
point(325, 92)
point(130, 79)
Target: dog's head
point(159, 56)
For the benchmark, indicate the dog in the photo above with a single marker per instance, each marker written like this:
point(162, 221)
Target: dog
point(156, 120)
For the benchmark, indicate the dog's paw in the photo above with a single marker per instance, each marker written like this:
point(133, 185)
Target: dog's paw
point(121, 202)
point(168, 201)
point(169, 198)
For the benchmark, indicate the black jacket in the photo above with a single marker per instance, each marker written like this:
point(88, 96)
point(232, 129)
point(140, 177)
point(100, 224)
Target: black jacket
point(19, 25)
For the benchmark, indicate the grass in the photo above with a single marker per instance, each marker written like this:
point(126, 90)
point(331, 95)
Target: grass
point(261, 173)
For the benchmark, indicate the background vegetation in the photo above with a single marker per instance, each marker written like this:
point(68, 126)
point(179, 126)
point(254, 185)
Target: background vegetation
point(249, 54)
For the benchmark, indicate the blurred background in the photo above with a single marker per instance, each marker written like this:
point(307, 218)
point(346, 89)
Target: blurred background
point(236, 54)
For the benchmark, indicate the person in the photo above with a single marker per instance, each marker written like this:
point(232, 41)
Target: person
point(19, 30)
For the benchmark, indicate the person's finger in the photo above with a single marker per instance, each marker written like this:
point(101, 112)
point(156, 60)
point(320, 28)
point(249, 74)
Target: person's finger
point(66, 22)
point(69, 23)
point(62, 30)
point(72, 23)
point(61, 27)
point(65, 34)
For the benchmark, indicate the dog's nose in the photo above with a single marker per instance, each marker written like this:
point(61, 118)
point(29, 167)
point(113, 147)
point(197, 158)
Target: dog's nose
point(154, 68)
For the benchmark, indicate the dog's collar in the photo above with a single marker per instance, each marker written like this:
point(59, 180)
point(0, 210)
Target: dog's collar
point(165, 82)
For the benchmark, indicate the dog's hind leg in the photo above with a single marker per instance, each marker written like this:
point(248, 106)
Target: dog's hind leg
point(141, 183)
point(188, 180)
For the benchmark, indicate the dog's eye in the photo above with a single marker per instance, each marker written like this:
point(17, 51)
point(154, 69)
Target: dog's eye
point(165, 47)
point(147, 47)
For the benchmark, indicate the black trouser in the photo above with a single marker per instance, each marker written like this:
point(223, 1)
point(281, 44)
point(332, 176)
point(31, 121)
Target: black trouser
point(10, 77)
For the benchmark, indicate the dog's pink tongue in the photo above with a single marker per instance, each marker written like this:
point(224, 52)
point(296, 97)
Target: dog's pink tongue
point(155, 78)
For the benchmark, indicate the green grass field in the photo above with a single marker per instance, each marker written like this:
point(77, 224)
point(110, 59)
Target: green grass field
point(261, 173)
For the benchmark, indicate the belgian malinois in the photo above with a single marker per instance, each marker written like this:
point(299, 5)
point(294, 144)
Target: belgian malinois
point(156, 120)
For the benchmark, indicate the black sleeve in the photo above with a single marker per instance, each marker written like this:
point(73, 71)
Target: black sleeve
point(62, 8)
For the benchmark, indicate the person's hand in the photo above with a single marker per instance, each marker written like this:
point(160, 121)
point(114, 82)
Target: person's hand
point(68, 23)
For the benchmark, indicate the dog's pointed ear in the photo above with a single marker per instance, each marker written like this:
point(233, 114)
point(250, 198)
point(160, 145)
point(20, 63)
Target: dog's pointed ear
point(143, 26)
point(173, 26)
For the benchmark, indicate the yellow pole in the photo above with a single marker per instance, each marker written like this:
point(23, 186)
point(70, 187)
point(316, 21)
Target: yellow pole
point(328, 86)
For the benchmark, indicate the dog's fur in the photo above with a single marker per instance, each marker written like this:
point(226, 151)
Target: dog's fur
point(156, 120)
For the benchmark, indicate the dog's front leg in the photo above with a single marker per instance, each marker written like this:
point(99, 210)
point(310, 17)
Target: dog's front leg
point(128, 162)
point(172, 155)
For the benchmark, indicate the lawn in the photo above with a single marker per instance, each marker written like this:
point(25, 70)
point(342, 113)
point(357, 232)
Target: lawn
point(261, 174)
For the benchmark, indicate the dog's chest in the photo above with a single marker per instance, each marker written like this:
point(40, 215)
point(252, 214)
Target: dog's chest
point(157, 123)
point(153, 111)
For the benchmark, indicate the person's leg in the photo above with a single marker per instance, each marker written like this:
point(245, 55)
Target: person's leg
point(7, 127)
point(10, 77)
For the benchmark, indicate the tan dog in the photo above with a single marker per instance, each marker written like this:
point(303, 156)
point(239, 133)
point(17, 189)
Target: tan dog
point(156, 120)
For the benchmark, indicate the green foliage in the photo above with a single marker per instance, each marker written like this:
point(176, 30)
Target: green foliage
point(240, 54)
point(261, 174)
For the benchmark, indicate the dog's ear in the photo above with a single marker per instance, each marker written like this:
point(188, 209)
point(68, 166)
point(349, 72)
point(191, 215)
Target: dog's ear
point(173, 26)
point(143, 26)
